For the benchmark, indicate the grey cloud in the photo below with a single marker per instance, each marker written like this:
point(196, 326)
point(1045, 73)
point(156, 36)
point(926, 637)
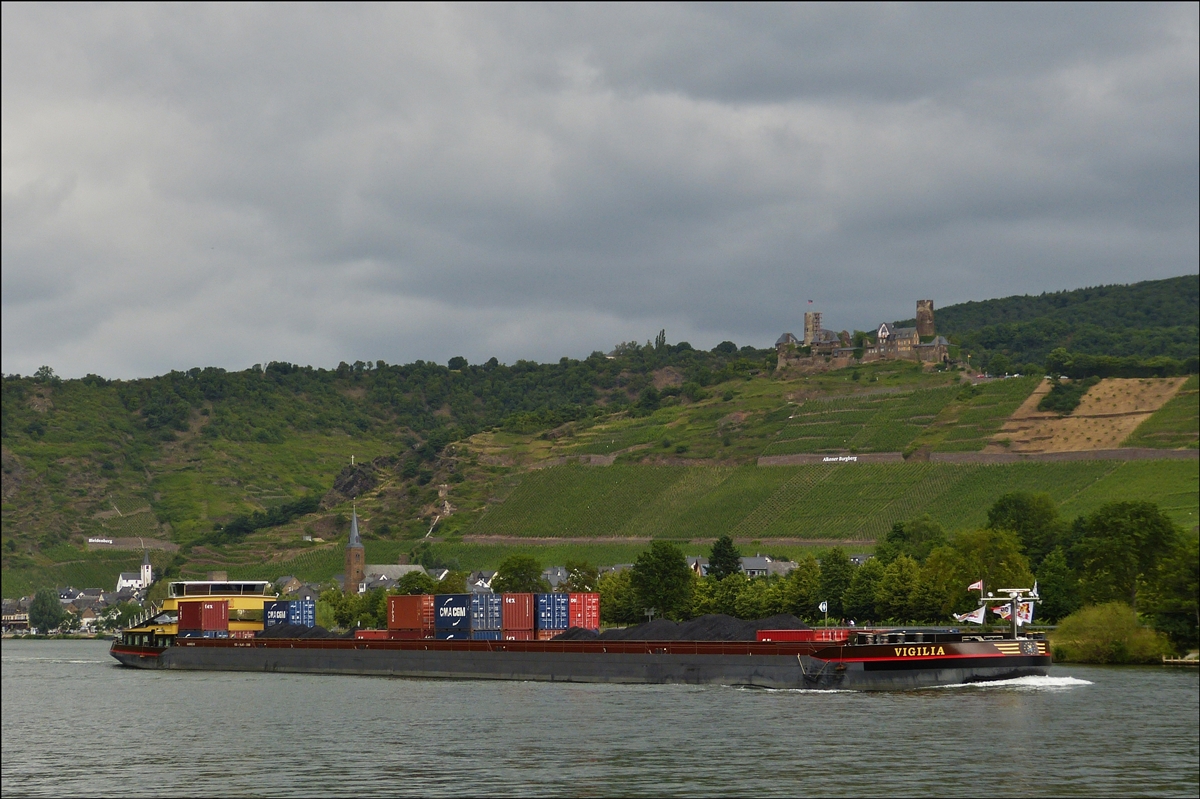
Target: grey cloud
point(189, 185)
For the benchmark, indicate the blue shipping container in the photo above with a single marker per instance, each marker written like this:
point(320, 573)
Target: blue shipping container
point(486, 611)
point(452, 612)
point(553, 611)
point(216, 633)
point(453, 635)
point(275, 612)
point(302, 612)
point(486, 635)
point(190, 634)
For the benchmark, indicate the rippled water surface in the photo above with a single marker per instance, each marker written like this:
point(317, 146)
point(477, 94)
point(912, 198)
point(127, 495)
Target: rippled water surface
point(76, 724)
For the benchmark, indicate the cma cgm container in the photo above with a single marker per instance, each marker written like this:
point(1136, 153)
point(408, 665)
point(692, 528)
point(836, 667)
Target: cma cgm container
point(553, 611)
point(302, 612)
point(518, 613)
point(275, 612)
point(214, 615)
point(486, 635)
point(414, 612)
point(585, 611)
point(190, 616)
point(486, 611)
point(453, 635)
point(452, 612)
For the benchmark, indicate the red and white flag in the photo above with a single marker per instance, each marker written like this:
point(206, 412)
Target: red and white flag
point(976, 586)
point(975, 616)
point(1024, 612)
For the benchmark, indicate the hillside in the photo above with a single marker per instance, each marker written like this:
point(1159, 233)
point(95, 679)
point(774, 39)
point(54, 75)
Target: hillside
point(1154, 318)
point(257, 470)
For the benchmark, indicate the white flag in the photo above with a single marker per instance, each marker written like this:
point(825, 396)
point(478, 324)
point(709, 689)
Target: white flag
point(823, 607)
point(975, 616)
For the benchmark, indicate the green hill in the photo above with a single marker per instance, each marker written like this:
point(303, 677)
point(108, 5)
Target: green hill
point(250, 472)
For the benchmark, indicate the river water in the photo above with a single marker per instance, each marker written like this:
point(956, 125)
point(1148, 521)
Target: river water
point(77, 724)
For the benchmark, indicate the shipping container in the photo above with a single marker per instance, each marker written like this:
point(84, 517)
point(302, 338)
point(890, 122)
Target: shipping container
point(585, 611)
point(410, 635)
point(518, 612)
point(190, 633)
point(302, 612)
point(486, 611)
point(413, 612)
point(553, 611)
point(191, 616)
point(453, 611)
point(371, 635)
point(829, 635)
point(216, 633)
point(214, 614)
point(546, 635)
point(454, 635)
point(518, 635)
point(241, 633)
point(486, 635)
point(275, 612)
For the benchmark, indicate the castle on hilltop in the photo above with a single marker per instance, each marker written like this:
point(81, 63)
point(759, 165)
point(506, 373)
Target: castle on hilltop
point(823, 349)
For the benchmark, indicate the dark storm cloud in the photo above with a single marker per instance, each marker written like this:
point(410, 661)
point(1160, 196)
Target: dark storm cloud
point(192, 185)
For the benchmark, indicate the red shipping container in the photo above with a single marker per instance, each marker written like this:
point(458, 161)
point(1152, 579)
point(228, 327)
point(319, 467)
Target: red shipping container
point(585, 611)
point(241, 633)
point(413, 612)
point(517, 612)
point(190, 616)
point(371, 635)
point(517, 635)
point(409, 635)
point(805, 636)
point(546, 635)
point(214, 615)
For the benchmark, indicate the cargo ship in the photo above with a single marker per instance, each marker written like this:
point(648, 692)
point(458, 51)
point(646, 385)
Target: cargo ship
point(422, 644)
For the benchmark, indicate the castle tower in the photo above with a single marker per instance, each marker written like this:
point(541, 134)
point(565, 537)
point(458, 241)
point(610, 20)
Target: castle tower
point(812, 327)
point(147, 572)
point(355, 557)
point(925, 318)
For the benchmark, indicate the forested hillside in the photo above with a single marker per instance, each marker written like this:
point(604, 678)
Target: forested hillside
point(1155, 318)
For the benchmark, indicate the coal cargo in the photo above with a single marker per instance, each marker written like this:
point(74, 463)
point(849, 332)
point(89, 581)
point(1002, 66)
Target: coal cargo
point(413, 612)
point(454, 635)
point(191, 616)
point(302, 612)
point(486, 635)
point(518, 613)
point(453, 611)
point(486, 611)
point(214, 615)
point(275, 612)
point(585, 611)
point(553, 611)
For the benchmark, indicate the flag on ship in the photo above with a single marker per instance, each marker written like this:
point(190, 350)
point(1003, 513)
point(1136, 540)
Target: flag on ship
point(975, 586)
point(1024, 612)
point(975, 616)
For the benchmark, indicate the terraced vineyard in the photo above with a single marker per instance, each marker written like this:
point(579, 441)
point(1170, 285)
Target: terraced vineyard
point(843, 501)
point(975, 414)
point(1174, 425)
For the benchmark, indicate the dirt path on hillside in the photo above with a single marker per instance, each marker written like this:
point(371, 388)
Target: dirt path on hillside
point(1109, 412)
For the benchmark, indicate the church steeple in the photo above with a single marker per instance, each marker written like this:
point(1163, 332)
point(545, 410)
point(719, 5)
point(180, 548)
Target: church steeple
point(147, 574)
point(355, 557)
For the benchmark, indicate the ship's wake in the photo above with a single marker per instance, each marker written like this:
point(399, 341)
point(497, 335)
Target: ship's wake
point(1031, 682)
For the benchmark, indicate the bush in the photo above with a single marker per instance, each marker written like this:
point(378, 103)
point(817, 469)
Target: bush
point(1108, 633)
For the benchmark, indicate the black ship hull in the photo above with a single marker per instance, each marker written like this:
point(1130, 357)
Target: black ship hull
point(761, 665)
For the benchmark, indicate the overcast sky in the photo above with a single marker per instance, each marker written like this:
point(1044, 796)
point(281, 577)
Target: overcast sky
point(225, 185)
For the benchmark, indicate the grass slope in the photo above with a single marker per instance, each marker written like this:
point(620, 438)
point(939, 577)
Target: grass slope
point(1175, 425)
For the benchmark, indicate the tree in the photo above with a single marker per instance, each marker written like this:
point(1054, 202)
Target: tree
point(993, 556)
point(859, 600)
point(457, 363)
point(896, 595)
point(802, 589)
point(1058, 586)
point(46, 612)
point(915, 538)
point(1172, 594)
point(455, 582)
point(762, 597)
point(1033, 517)
point(415, 582)
point(581, 576)
point(724, 558)
point(662, 580)
point(1121, 545)
point(520, 574)
point(618, 601)
point(836, 571)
